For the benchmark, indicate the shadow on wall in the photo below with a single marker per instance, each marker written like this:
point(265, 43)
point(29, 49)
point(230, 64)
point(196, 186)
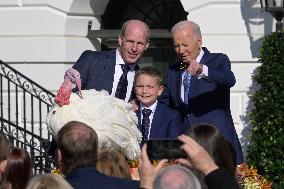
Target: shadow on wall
point(96, 42)
point(253, 18)
point(245, 134)
point(98, 8)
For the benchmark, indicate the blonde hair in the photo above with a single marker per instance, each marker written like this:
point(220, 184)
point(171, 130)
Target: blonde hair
point(150, 71)
point(48, 181)
point(113, 163)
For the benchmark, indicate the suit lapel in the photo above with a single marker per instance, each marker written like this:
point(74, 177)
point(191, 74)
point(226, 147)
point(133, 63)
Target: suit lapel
point(138, 114)
point(133, 95)
point(157, 121)
point(193, 86)
point(109, 69)
point(205, 58)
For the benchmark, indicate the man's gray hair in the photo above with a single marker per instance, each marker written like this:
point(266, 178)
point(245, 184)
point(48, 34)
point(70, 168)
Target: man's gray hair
point(185, 24)
point(176, 177)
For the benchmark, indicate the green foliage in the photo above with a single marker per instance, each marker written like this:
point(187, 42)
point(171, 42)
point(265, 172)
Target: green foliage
point(266, 151)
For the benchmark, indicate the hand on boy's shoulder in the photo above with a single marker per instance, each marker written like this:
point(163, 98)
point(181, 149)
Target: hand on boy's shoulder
point(134, 104)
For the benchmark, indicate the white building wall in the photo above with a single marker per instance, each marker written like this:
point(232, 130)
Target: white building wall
point(49, 36)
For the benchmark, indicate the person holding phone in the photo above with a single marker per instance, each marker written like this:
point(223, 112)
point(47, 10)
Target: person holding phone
point(198, 158)
point(161, 121)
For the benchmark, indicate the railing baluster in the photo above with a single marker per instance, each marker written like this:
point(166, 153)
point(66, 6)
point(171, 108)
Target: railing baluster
point(9, 105)
point(1, 100)
point(17, 114)
point(17, 106)
point(27, 114)
point(32, 127)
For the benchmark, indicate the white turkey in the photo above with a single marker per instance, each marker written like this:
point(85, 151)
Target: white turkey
point(111, 118)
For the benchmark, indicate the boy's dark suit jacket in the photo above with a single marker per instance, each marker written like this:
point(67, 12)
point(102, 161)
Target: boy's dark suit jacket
point(166, 122)
point(90, 178)
point(209, 99)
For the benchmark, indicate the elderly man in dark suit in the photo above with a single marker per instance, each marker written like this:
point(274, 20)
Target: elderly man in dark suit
point(77, 155)
point(114, 70)
point(198, 85)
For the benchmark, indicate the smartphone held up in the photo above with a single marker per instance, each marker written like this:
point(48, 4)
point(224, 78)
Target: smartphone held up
point(164, 148)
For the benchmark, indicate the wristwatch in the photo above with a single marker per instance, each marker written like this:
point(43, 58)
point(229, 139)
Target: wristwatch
point(200, 69)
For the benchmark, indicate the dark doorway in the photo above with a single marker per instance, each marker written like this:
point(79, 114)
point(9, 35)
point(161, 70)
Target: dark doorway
point(158, 14)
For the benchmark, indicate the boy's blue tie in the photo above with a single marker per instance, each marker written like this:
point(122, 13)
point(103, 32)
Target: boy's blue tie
point(186, 85)
point(145, 124)
point(121, 89)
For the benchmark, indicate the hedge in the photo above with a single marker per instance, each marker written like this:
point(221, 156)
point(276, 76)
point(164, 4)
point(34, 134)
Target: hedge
point(266, 150)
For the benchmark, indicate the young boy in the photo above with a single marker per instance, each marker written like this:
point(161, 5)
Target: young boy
point(155, 119)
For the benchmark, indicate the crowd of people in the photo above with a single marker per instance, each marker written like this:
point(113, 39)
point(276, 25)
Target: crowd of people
point(86, 166)
point(192, 105)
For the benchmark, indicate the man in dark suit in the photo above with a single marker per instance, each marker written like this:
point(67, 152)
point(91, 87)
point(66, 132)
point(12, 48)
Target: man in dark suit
point(161, 122)
point(114, 70)
point(77, 155)
point(198, 85)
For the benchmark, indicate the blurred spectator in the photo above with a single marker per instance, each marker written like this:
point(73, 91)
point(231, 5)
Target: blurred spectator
point(4, 150)
point(176, 177)
point(77, 154)
point(198, 158)
point(113, 163)
point(18, 169)
point(48, 181)
point(215, 144)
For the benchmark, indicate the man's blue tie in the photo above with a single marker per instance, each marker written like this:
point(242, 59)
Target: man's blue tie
point(121, 89)
point(186, 84)
point(145, 124)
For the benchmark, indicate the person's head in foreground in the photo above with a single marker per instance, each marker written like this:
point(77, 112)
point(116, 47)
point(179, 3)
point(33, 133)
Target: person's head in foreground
point(210, 138)
point(48, 181)
point(113, 163)
point(77, 146)
point(176, 177)
point(4, 151)
point(18, 169)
